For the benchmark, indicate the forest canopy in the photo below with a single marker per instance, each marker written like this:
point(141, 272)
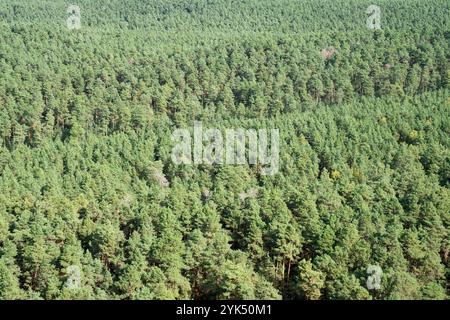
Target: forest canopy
point(93, 207)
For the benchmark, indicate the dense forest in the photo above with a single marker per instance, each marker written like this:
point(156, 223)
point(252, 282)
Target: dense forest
point(93, 207)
